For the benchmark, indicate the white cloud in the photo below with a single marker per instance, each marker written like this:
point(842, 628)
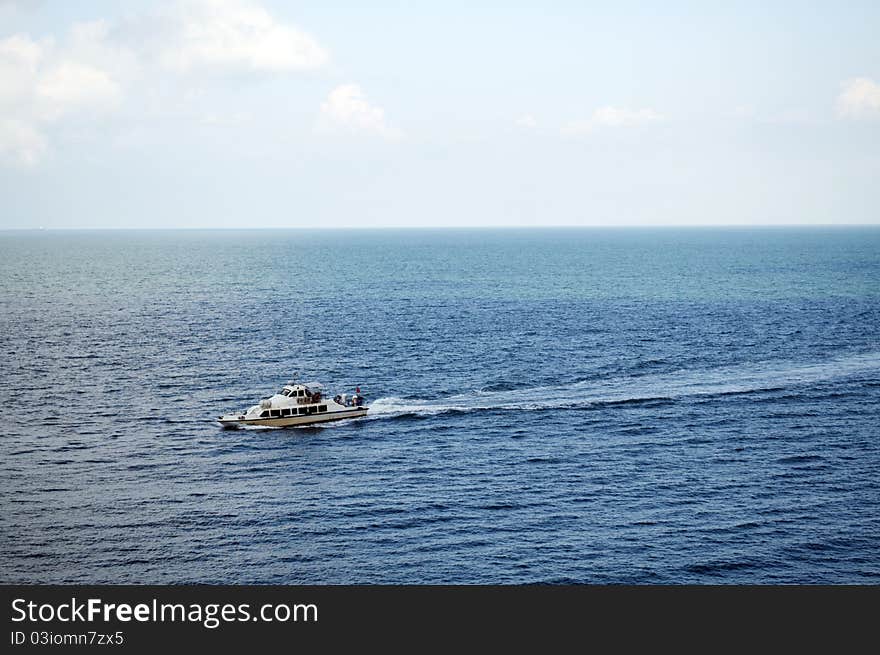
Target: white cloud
point(20, 142)
point(22, 50)
point(527, 121)
point(20, 57)
point(346, 110)
point(225, 36)
point(860, 98)
point(612, 117)
point(42, 83)
point(95, 65)
point(71, 85)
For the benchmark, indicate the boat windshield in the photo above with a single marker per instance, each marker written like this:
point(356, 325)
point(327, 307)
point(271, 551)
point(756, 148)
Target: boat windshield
point(285, 392)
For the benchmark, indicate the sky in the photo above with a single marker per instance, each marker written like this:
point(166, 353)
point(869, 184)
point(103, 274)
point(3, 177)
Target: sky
point(239, 113)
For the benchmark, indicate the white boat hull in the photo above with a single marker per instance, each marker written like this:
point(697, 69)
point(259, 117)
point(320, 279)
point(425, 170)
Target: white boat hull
point(235, 421)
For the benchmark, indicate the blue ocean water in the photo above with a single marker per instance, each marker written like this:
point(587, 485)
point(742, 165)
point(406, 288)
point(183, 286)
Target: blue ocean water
point(588, 406)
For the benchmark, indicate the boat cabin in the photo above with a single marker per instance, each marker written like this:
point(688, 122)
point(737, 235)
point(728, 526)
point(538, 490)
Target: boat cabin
point(304, 394)
point(303, 401)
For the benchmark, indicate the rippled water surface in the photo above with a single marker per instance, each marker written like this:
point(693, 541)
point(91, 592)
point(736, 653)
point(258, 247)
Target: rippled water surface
point(633, 406)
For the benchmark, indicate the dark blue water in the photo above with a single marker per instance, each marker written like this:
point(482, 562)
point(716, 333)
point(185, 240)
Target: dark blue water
point(597, 406)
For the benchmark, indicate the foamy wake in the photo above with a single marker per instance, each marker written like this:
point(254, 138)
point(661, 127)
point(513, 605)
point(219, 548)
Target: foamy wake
point(683, 383)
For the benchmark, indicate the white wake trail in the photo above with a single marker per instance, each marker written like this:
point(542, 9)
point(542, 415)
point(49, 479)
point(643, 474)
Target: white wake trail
point(679, 384)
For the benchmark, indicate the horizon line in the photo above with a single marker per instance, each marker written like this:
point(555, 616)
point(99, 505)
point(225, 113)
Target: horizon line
point(445, 227)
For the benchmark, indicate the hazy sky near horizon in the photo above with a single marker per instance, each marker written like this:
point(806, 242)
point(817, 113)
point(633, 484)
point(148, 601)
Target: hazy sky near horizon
point(238, 113)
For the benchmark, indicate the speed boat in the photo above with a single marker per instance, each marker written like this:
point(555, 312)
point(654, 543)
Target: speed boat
point(298, 404)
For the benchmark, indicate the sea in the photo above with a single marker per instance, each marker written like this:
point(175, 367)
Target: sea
point(596, 406)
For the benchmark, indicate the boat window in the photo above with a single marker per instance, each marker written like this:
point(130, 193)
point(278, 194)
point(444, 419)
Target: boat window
point(302, 410)
point(285, 392)
point(276, 412)
point(285, 412)
point(264, 414)
point(300, 393)
point(322, 408)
